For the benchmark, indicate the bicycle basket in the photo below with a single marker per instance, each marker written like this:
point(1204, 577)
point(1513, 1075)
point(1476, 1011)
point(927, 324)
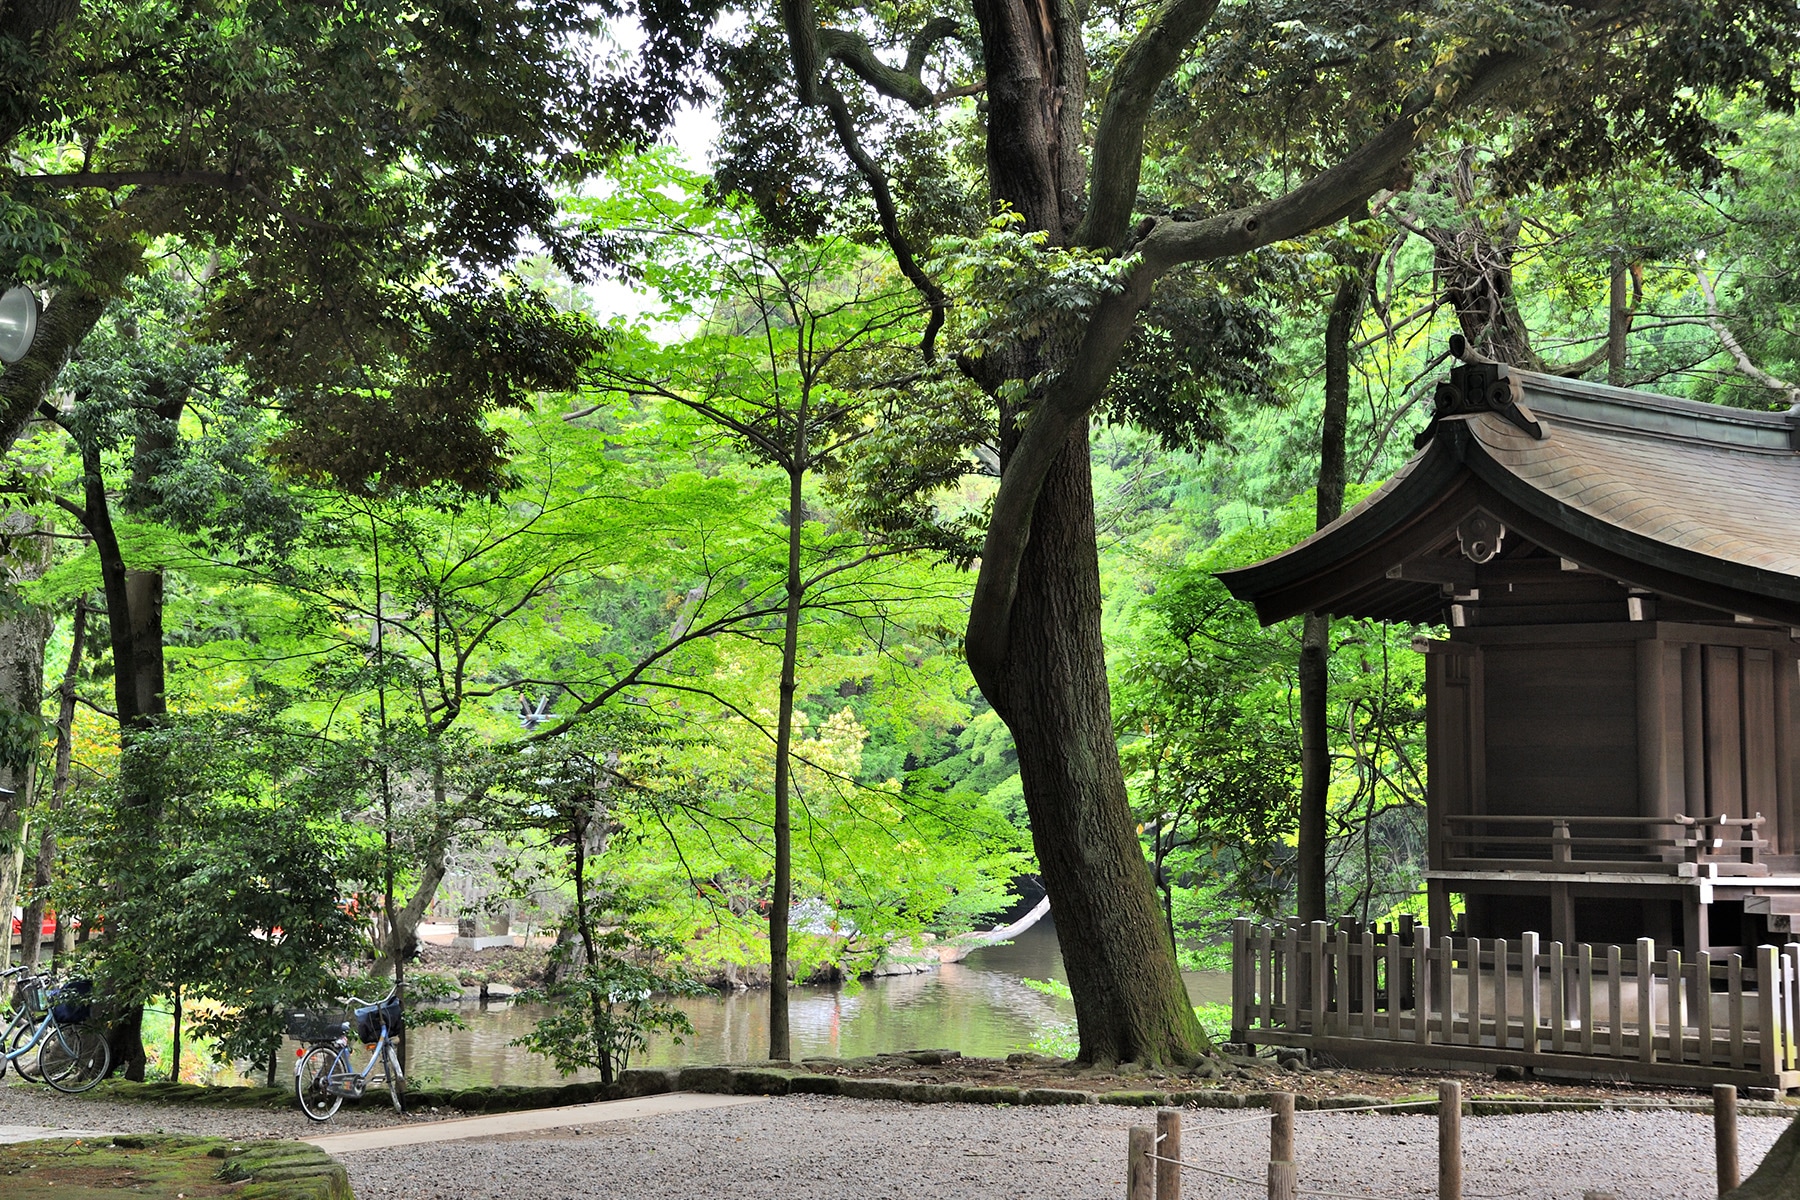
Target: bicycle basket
point(315, 1026)
point(33, 996)
point(75, 1006)
point(369, 1020)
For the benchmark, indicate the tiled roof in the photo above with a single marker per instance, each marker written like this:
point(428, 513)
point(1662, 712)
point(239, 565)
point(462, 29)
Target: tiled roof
point(1687, 499)
point(1715, 481)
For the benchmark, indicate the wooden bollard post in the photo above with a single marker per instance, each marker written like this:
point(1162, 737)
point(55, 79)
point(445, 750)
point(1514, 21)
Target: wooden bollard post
point(1725, 1137)
point(1450, 1141)
point(1284, 1176)
point(1139, 1180)
point(1168, 1149)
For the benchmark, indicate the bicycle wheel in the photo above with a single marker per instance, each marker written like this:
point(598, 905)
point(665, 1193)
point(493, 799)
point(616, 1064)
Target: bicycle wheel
point(74, 1058)
point(311, 1078)
point(25, 1064)
point(396, 1079)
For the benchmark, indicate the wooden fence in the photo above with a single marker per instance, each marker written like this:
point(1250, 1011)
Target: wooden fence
point(1396, 993)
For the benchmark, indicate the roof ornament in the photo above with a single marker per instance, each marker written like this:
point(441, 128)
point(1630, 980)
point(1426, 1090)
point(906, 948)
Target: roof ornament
point(1480, 535)
point(1479, 385)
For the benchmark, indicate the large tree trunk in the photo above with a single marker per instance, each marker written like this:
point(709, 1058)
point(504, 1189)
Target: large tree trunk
point(1130, 1003)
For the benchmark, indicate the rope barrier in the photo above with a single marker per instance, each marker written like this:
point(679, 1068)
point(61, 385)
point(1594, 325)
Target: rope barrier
point(1370, 1107)
point(1267, 1116)
point(1189, 1166)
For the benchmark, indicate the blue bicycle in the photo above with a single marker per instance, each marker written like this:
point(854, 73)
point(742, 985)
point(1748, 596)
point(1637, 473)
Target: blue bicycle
point(325, 1071)
point(72, 1056)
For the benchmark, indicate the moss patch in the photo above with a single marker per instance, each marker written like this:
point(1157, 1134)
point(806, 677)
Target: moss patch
point(168, 1168)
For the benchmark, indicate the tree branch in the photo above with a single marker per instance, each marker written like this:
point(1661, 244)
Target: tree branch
point(1063, 408)
point(1745, 365)
point(890, 218)
point(109, 180)
point(1119, 137)
point(899, 83)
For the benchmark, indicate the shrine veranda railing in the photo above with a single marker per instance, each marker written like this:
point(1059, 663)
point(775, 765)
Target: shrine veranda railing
point(1398, 994)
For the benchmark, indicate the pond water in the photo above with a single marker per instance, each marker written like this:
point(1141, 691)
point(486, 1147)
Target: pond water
point(978, 1006)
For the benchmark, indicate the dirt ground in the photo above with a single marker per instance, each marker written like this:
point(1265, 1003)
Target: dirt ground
point(1231, 1073)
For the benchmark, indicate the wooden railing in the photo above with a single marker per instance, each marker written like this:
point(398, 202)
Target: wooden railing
point(1604, 1010)
point(1678, 845)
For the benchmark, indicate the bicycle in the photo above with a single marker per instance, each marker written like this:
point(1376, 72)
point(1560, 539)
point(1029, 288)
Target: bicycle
point(72, 1056)
point(325, 1071)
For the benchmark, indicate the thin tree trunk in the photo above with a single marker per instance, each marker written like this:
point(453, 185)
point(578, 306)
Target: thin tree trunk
point(400, 930)
point(134, 612)
point(1315, 765)
point(1619, 312)
point(59, 788)
point(23, 637)
point(175, 1040)
point(781, 903)
point(1315, 637)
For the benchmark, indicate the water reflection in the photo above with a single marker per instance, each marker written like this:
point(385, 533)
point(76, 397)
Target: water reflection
point(978, 1006)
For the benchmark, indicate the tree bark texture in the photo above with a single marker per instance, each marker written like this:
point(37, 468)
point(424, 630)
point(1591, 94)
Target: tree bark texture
point(1130, 1003)
point(1050, 687)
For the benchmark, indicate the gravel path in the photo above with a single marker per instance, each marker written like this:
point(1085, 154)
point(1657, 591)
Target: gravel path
point(827, 1148)
point(820, 1148)
point(36, 1105)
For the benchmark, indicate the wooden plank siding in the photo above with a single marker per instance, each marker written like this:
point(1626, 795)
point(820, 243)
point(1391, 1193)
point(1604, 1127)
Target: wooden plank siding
point(1758, 701)
point(1562, 730)
point(1723, 703)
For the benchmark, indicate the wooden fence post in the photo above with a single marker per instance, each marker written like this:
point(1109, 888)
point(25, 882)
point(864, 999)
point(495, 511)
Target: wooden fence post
point(1168, 1149)
point(1768, 1010)
point(1450, 1141)
point(1284, 1175)
point(1530, 999)
point(1243, 979)
point(1725, 1136)
point(1139, 1180)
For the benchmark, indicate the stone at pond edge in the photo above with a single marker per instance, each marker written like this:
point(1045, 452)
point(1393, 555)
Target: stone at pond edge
point(1056, 1096)
point(815, 1085)
point(1219, 1099)
point(644, 1081)
point(1134, 1099)
point(993, 1095)
point(876, 1089)
point(760, 1083)
point(704, 1079)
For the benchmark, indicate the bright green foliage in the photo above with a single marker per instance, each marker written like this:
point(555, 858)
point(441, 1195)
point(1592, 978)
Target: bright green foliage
point(240, 888)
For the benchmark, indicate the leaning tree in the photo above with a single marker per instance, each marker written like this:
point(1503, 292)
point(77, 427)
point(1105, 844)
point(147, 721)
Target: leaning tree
point(1169, 144)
